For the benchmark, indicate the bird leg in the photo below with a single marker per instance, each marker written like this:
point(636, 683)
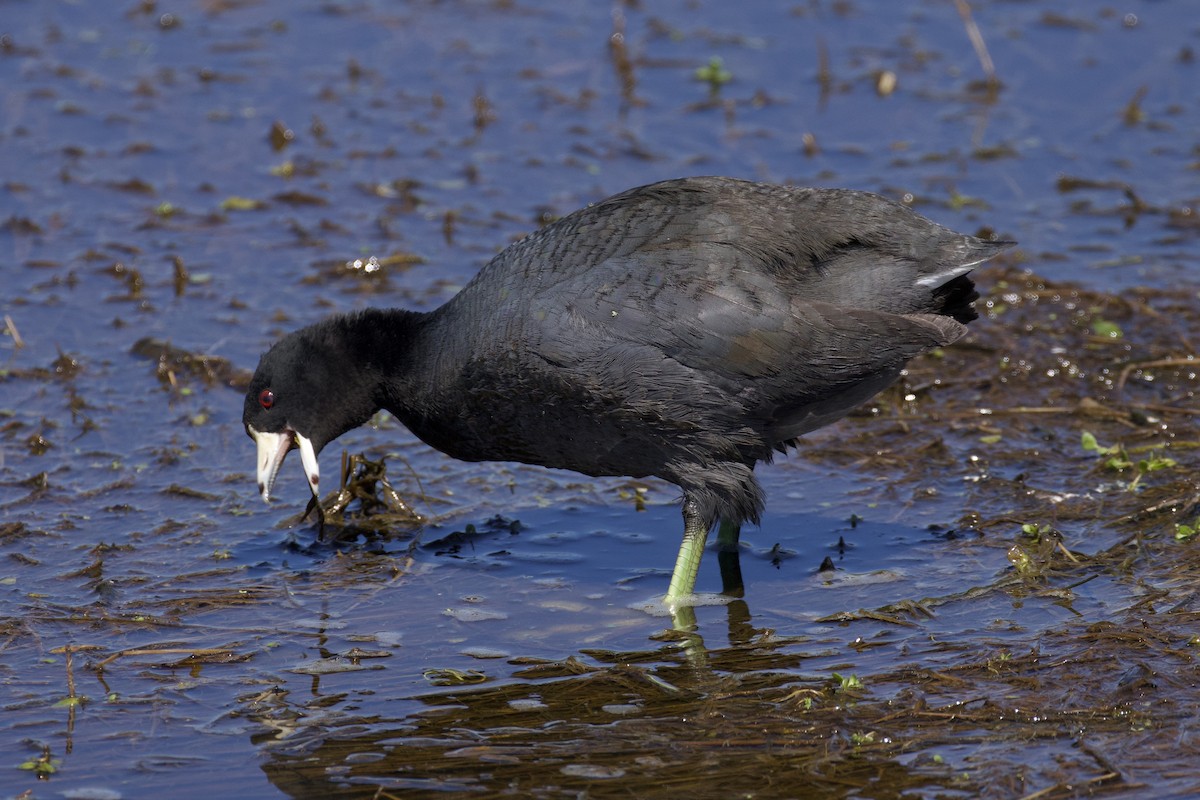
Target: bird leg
point(691, 550)
point(729, 559)
point(315, 503)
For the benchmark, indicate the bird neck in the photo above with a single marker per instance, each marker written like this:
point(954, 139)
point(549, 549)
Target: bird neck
point(395, 349)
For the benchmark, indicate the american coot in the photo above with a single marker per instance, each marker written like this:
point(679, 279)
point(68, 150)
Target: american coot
point(687, 329)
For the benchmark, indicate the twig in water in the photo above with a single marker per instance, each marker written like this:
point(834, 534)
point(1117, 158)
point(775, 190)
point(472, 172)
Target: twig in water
point(11, 327)
point(976, 37)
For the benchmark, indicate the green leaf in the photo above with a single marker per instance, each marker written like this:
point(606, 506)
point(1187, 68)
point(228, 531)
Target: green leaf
point(714, 73)
point(1118, 463)
point(1155, 463)
point(1102, 327)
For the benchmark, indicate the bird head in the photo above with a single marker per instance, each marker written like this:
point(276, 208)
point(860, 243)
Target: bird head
point(307, 390)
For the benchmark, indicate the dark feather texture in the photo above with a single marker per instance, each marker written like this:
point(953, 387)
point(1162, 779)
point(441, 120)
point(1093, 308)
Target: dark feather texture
point(686, 330)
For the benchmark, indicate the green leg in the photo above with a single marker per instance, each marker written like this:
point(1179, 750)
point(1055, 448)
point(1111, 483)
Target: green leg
point(729, 559)
point(687, 563)
point(683, 618)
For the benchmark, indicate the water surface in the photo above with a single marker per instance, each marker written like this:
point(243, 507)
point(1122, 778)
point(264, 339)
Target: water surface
point(1008, 615)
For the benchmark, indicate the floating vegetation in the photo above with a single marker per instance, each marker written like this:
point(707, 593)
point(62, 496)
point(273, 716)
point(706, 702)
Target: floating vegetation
point(174, 365)
point(714, 74)
point(365, 502)
point(991, 593)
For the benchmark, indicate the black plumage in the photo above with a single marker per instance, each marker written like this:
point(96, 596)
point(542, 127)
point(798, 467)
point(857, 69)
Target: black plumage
point(686, 330)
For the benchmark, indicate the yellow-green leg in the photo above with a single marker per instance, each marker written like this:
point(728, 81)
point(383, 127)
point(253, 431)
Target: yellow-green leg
point(691, 550)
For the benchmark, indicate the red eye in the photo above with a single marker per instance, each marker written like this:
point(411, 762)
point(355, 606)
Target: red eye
point(266, 398)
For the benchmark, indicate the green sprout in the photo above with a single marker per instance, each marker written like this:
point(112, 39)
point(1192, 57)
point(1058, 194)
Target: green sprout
point(43, 766)
point(1117, 459)
point(1106, 329)
point(714, 74)
point(848, 683)
point(1037, 531)
point(1021, 560)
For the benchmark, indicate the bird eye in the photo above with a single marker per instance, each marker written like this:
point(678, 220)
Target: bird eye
point(266, 398)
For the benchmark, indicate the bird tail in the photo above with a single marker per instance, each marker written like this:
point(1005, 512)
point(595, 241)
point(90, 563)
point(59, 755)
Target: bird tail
point(956, 298)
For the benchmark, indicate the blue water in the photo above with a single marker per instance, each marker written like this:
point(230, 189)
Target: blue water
point(436, 133)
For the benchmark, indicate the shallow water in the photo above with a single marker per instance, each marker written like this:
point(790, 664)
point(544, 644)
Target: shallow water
point(214, 175)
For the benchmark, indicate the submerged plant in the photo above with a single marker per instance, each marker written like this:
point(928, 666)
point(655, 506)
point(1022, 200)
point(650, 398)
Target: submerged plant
point(1117, 459)
point(847, 683)
point(43, 766)
point(1106, 329)
point(714, 74)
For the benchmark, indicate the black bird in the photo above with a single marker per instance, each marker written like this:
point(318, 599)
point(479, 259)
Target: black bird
point(687, 329)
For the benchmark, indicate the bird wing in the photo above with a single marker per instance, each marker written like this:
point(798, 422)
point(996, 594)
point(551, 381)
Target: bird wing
point(792, 305)
point(736, 325)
